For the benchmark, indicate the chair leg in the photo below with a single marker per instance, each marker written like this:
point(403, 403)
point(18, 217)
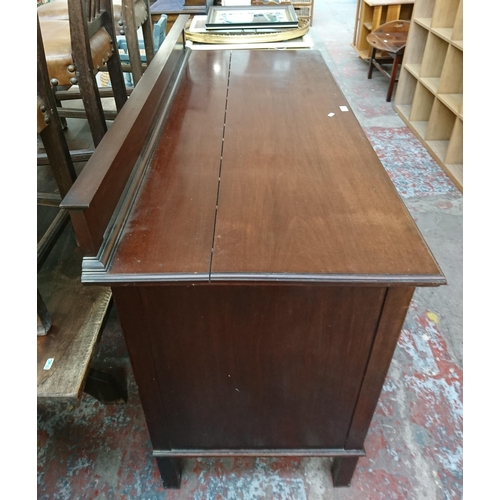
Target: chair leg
point(117, 81)
point(132, 40)
point(114, 64)
point(370, 67)
point(93, 105)
point(394, 72)
point(52, 136)
point(44, 321)
point(62, 120)
point(147, 35)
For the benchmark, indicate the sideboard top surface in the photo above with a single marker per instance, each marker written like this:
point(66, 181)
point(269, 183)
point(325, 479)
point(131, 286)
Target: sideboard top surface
point(261, 173)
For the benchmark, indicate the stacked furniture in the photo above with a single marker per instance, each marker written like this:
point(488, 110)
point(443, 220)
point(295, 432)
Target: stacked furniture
point(388, 43)
point(429, 97)
point(304, 9)
point(70, 315)
point(79, 39)
point(370, 14)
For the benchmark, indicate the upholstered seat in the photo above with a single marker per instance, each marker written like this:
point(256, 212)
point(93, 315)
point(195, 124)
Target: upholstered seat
point(57, 43)
point(76, 49)
point(58, 10)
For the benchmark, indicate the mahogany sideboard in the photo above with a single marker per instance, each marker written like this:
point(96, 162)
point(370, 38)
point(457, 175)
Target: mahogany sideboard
point(260, 259)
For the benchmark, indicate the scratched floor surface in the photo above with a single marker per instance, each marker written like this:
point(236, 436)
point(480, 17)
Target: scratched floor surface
point(414, 446)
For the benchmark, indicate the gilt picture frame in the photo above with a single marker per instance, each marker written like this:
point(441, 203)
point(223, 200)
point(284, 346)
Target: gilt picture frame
point(280, 16)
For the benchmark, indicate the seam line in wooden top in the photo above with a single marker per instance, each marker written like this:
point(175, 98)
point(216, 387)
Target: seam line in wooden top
point(220, 166)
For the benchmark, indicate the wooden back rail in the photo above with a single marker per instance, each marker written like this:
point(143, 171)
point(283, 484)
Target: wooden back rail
point(105, 187)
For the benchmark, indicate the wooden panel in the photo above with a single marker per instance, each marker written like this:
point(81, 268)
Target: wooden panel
point(458, 27)
point(424, 8)
point(410, 86)
point(393, 13)
point(422, 104)
point(417, 38)
point(388, 331)
point(129, 306)
point(455, 153)
point(434, 56)
point(251, 366)
point(441, 73)
point(451, 81)
point(441, 123)
point(314, 200)
point(170, 229)
point(444, 13)
point(97, 190)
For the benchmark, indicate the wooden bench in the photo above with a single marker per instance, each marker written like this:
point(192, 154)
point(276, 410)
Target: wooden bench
point(78, 315)
point(260, 259)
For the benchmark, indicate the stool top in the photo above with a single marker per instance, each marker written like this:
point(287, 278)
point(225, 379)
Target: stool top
point(390, 37)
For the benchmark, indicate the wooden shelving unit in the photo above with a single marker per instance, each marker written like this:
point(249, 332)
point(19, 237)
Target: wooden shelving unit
point(370, 14)
point(304, 9)
point(429, 96)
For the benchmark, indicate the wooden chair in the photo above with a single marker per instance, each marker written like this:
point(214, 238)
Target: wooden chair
point(130, 20)
point(76, 49)
point(387, 45)
point(129, 17)
point(72, 340)
point(54, 141)
point(127, 55)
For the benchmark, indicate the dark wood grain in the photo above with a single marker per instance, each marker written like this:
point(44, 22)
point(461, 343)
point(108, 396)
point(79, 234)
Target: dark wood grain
point(128, 303)
point(170, 471)
point(52, 135)
point(314, 203)
point(252, 366)
point(302, 192)
point(391, 321)
point(296, 251)
point(83, 25)
point(170, 229)
point(392, 318)
point(95, 194)
point(343, 469)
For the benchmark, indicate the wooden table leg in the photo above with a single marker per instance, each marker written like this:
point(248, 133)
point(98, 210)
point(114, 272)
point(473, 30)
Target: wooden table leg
point(44, 321)
point(393, 78)
point(170, 471)
point(343, 470)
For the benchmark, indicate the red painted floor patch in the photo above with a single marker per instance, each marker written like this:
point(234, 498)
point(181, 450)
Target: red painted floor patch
point(413, 448)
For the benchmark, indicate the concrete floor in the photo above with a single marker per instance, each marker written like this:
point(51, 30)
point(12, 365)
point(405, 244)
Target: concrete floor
point(414, 447)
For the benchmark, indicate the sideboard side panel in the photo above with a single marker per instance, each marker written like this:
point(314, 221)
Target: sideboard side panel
point(252, 366)
point(391, 322)
point(130, 308)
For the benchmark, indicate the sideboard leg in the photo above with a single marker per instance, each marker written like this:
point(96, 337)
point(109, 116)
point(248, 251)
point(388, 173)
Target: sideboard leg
point(343, 470)
point(105, 387)
point(170, 471)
